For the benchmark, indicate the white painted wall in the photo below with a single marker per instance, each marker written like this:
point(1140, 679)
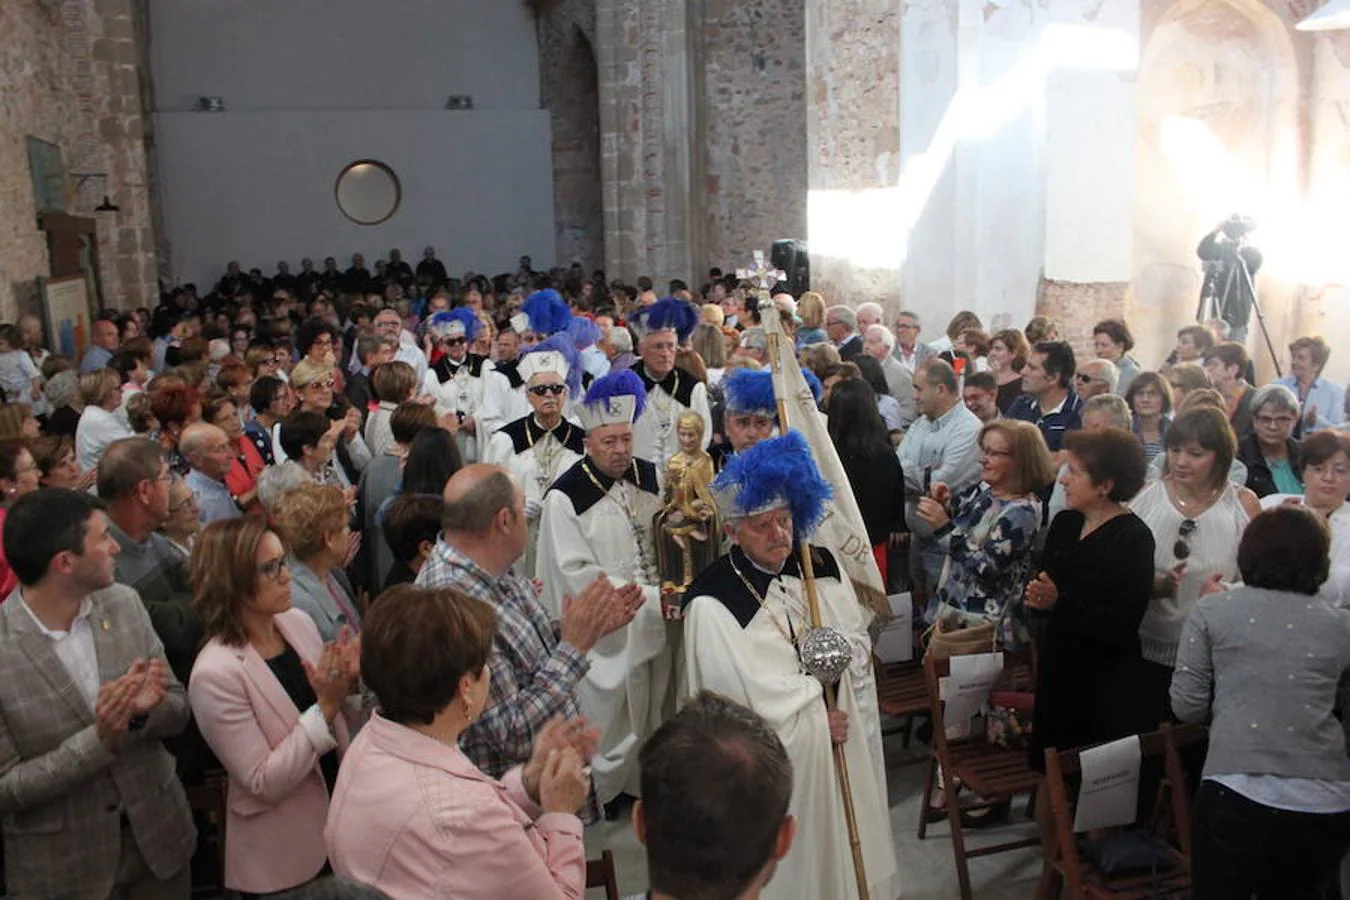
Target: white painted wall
point(259, 187)
point(343, 54)
point(311, 85)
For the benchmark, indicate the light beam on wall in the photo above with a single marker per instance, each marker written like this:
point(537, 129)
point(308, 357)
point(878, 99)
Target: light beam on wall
point(1335, 16)
point(871, 227)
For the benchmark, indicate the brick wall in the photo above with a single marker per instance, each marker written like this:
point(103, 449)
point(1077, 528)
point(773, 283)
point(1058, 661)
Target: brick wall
point(68, 74)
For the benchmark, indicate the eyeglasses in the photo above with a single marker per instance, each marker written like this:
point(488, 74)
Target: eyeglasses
point(269, 361)
point(273, 568)
point(453, 342)
point(1182, 548)
point(1083, 379)
point(325, 384)
point(542, 390)
point(1273, 421)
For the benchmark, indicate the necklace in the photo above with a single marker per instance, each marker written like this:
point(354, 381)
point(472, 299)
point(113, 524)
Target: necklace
point(643, 573)
point(1201, 504)
point(663, 403)
point(789, 634)
point(547, 454)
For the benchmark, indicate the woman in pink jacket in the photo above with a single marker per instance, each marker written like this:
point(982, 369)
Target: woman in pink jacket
point(412, 816)
point(269, 697)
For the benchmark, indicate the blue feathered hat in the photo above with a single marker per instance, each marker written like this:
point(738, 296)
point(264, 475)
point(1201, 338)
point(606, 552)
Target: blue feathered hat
point(669, 314)
point(775, 473)
point(557, 354)
point(749, 391)
point(583, 331)
point(543, 312)
point(616, 399)
point(453, 323)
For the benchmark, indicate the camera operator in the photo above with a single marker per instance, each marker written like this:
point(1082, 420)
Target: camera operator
point(1224, 251)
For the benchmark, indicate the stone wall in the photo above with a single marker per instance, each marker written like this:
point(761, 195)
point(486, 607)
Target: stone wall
point(751, 127)
point(68, 74)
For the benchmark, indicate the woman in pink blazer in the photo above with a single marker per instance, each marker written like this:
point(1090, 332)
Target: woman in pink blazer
point(268, 695)
point(412, 816)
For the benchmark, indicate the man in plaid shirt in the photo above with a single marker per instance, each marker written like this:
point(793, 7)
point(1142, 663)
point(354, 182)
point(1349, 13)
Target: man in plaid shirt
point(535, 663)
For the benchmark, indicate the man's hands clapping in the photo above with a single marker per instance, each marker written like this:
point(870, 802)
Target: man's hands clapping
point(135, 693)
point(601, 609)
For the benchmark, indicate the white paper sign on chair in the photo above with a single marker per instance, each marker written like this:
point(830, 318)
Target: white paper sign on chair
point(1110, 792)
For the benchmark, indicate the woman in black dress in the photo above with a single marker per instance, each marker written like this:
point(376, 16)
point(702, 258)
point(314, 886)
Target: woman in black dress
point(1098, 574)
point(865, 451)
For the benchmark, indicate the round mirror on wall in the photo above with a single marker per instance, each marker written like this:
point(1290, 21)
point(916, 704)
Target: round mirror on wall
point(368, 192)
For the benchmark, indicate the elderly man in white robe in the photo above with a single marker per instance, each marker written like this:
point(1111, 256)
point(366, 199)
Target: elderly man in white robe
point(671, 391)
point(456, 379)
point(539, 447)
point(597, 519)
point(745, 620)
point(544, 313)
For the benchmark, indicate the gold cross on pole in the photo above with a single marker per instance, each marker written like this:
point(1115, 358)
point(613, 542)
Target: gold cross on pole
point(761, 275)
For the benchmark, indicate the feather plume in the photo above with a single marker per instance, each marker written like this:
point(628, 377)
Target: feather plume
point(813, 383)
point(666, 315)
point(442, 323)
point(547, 311)
point(583, 331)
point(775, 470)
point(749, 391)
point(617, 384)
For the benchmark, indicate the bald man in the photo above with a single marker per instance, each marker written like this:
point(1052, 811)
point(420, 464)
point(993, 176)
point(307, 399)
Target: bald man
point(105, 342)
point(535, 669)
point(210, 454)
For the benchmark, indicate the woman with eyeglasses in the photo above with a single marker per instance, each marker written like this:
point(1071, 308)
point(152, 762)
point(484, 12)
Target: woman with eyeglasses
point(185, 520)
point(1197, 517)
point(1270, 452)
point(270, 697)
point(315, 386)
point(264, 360)
point(1326, 491)
point(247, 465)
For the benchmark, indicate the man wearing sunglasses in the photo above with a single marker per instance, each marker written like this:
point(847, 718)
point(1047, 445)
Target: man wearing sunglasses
point(456, 379)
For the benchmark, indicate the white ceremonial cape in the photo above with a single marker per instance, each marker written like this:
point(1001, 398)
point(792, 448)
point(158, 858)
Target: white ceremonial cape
point(737, 647)
point(503, 402)
point(585, 532)
point(537, 458)
point(654, 436)
point(459, 389)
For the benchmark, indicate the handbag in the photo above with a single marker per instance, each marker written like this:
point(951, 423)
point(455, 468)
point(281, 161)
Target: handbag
point(1131, 853)
point(945, 641)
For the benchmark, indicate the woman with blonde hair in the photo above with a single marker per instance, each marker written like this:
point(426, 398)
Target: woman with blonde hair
point(811, 311)
point(17, 421)
point(314, 522)
point(270, 698)
point(1184, 377)
point(315, 385)
point(101, 392)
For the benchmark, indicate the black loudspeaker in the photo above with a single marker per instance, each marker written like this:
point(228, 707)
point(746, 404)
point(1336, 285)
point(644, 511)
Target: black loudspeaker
point(791, 256)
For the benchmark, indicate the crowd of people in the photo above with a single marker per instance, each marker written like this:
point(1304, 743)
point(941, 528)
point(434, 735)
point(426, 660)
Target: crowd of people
point(381, 551)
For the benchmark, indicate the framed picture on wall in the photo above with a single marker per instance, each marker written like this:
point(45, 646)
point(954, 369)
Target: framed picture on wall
point(65, 309)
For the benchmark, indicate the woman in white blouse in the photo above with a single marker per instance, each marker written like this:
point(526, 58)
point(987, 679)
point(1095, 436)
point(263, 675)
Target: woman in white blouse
point(101, 393)
point(1326, 484)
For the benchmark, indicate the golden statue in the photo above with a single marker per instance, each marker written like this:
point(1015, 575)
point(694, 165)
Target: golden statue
point(686, 527)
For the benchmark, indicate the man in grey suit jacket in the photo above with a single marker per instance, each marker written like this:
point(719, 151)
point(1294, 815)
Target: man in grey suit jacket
point(90, 803)
point(911, 352)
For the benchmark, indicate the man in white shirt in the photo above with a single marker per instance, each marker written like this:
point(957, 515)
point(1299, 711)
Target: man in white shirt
point(389, 323)
point(943, 445)
point(92, 807)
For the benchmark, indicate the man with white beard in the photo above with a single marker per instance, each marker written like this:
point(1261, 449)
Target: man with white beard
point(744, 623)
point(597, 520)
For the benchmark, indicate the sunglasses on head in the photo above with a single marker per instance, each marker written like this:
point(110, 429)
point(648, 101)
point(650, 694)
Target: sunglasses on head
point(541, 390)
point(1182, 548)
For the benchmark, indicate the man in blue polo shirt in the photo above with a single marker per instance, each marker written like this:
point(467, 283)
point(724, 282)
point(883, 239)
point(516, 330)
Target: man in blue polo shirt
point(1049, 402)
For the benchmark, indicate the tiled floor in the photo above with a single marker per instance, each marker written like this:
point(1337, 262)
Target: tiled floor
point(927, 868)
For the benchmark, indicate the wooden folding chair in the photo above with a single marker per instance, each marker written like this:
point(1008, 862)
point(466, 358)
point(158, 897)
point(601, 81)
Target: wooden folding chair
point(994, 774)
point(600, 874)
point(1065, 868)
point(902, 693)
